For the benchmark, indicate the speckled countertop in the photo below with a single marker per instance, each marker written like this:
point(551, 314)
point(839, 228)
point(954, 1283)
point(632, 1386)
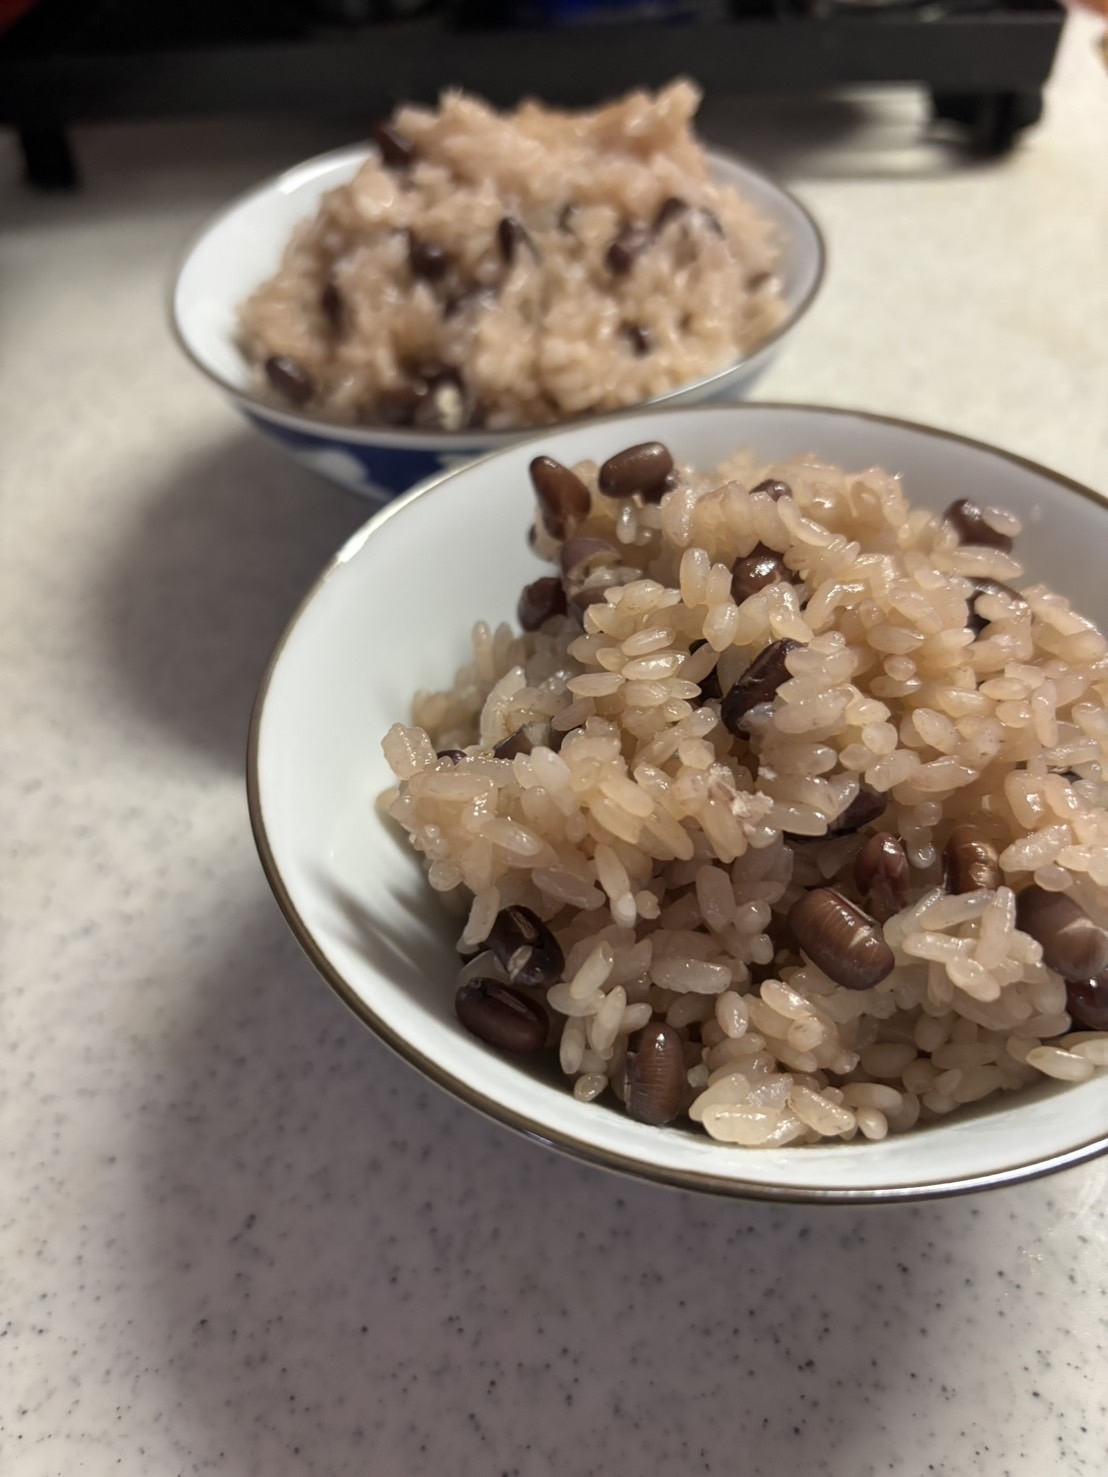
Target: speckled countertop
point(237, 1236)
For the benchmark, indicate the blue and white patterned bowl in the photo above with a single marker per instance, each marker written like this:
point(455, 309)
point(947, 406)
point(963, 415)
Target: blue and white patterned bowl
point(242, 246)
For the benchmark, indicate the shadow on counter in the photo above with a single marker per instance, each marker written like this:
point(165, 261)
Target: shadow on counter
point(205, 579)
point(354, 1273)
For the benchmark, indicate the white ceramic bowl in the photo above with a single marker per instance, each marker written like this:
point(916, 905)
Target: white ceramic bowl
point(393, 613)
point(242, 246)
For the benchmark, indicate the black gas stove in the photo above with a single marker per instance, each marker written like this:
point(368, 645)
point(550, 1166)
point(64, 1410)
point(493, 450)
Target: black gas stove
point(983, 64)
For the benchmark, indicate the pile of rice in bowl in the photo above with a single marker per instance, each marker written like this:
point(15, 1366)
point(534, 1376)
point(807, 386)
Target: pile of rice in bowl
point(504, 270)
point(786, 810)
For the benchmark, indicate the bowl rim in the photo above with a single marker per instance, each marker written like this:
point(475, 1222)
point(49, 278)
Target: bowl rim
point(554, 1137)
point(389, 436)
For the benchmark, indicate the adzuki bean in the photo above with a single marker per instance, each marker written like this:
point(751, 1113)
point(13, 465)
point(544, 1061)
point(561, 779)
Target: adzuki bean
point(654, 1085)
point(840, 939)
point(289, 378)
point(563, 498)
point(627, 246)
point(761, 567)
point(1087, 1002)
point(773, 488)
point(426, 260)
point(866, 806)
point(709, 687)
point(525, 948)
point(977, 622)
point(639, 469)
point(1071, 942)
point(882, 873)
point(539, 601)
point(332, 307)
point(967, 519)
point(526, 739)
point(397, 149)
point(757, 685)
point(970, 861)
point(669, 211)
point(512, 237)
point(501, 1016)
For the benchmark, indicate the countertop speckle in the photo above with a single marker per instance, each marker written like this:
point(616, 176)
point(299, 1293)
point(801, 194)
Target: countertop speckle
point(236, 1235)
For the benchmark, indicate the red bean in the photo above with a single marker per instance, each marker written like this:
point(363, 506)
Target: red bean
point(626, 247)
point(331, 306)
point(970, 861)
point(761, 567)
point(1072, 943)
point(564, 500)
point(638, 469)
point(757, 685)
point(655, 1075)
point(539, 601)
point(709, 686)
point(426, 260)
point(967, 519)
point(501, 1016)
point(774, 489)
point(397, 149)
point(882, 874)
point(511, 237)
point(526, 739)
point(978, 622)
point(289, 378)
point(1087, 1002)
point(840, 939)
point(866, 806)
point(525, 947)
point(669, 211)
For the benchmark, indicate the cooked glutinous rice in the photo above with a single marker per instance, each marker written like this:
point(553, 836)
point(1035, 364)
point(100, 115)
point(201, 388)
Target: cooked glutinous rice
point(489, 269)
point(787, 812)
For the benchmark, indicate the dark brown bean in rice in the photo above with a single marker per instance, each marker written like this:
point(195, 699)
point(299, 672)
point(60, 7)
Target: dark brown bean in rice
point(930, 752)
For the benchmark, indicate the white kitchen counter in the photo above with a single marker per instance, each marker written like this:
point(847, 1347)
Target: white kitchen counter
point(236, 1235)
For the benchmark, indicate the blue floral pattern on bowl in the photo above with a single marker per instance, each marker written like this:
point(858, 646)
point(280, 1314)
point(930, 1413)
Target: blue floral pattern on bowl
point(373, 471)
